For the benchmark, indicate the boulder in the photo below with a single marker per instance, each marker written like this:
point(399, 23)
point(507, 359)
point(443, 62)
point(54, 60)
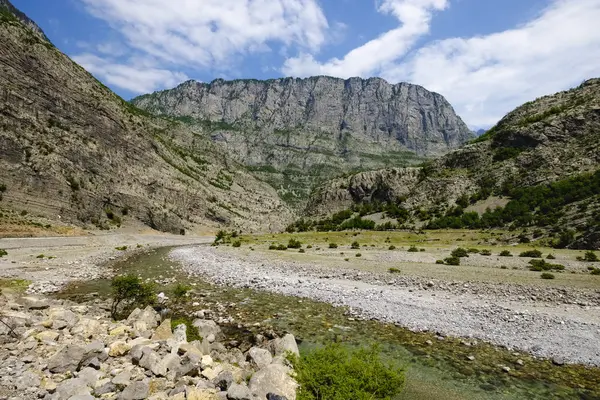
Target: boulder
point(66, 359)
point(136, 391)
point(281, 346)
point(34, 303)
point(27, 380)
point(87, 328)
point(207, 327)
point(163, 332)
point(260, 358)
point(238, 392)
point(180, 333)
point(47, 336)
point(193, 393)
point(148, 315)
point(121, 380)
point(90, 376)
point(152, 362)
point(274, 379)
point(191, 349)
point(71, 387)
point(62, 318)
point(224, 380)
point(118, 348)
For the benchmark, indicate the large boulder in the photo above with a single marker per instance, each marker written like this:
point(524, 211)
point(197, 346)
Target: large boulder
point(163, 332)
point(148, 316)
point(239, 392)
point(68, 358)
point(207, 327)
point(71, 387)
point(135, 391)
point(274, 379)
point(281, 346)
point(260, 358)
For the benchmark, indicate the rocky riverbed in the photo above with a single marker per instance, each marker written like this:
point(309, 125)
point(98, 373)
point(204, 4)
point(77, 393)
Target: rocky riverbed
point(59, 350)
point(554, 323)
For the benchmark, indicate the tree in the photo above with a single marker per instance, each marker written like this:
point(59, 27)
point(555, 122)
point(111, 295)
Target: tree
point(129, 291)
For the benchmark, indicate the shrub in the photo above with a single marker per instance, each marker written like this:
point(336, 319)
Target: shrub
point(129, 291)
point(551, 257)
point(459, 252)
point(590, 256)
point(180, 291)
point(40, 256)
point(413, 249)
point(485, 252)
point(333, 246)
point(421, 250)
point(392, 247)
point(358, 255)
point(394, 270)
point(542, 265)
point(3, 253)
point(595, 271)
point(547, 275)
point(504, 267)
point(273, 247)
point(531, 253)
point(2, 188)
point(122, 248)
point(439, 262)
point(336, 373)
point(301, 251)
point(109, 213)
point(505, 253)
point(355, 245)
point(281, 247)
point(309, 246)
point(452, 260)
point(237, 243)
point(473, 251)
point(294, 244)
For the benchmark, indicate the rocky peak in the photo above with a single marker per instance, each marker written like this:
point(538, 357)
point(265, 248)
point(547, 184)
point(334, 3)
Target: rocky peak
point(7, 10)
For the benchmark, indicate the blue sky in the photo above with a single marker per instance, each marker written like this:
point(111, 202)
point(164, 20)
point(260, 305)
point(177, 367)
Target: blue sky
point(485, 56)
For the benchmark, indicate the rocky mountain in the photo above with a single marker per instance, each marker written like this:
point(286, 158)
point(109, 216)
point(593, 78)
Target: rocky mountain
point(295, 132)
point(8, 11)
point(72, 150)
point(552, 139)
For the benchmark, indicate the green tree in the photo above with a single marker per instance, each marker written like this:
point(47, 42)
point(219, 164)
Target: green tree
point(128, 291)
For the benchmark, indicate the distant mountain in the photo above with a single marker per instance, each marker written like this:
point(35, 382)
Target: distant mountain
point(72, 150)
point(480, 132)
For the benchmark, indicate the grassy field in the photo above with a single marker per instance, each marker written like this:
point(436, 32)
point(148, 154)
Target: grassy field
point(374, 255)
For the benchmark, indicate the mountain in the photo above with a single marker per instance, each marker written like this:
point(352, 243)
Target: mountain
point(540, 164)
point(72, 150)
point(296, 132)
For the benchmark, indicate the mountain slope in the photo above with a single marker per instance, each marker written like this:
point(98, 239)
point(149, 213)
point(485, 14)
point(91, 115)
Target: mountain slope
point(295, 132)
point(70, 149)
point(553, 139)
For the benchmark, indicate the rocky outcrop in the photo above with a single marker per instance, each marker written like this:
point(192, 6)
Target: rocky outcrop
point(94, 357)
point(72, 150)
point(8, 11)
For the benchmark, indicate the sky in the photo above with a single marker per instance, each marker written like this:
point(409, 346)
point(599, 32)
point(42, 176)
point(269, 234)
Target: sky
point(485, 56)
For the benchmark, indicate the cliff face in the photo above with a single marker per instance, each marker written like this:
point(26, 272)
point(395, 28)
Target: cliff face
point(70, 149)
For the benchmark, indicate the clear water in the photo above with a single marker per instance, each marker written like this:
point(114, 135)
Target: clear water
point(438, 371)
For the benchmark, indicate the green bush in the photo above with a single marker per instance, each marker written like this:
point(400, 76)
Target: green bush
point(595, 271)
point(358, 255)
point(547, 275)
point(439, 262)
point(122, 248)
point(128, 292)
point(301, 251)
point(531, 253)
point(333, 246)
point(273, 247)
point(309, 246)
point(542, 265)
point(392, 247)
point(181, 291)
point(281, 247)
point(237, 243)
point(2, 188)
point(40, 256)
point(473, 251)
point(459, 252)
point(485, 252)
point(590, 256)
point(294, 244)
point(3, 253)
point(355, 245)
point(413, 249)
point(336, 373)
point(394, 270)
point(505, 253)
point(550, 257)
point(452, 260)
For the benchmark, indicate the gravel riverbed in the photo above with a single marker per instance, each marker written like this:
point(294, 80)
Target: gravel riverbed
point(552, 323)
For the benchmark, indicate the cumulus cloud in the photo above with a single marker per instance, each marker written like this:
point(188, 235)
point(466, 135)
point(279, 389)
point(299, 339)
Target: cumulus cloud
point(137, 77)
point(484, 77)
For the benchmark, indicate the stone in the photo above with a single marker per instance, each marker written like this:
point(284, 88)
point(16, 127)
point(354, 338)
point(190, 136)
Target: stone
point(224, 380)
point(209, 373)
point(108, 387)
point(558, 361)
point(191, 349)
point(206, 361)
point(471, 358)
point(87, 328)
point(180, 333)
point(135, 391)
point(207, 327)
point(71, 387)
point(66, 359)
point(82, 397)
point(272, 396)
point(163, 332)
point(121, 330)
point(170, 362)
point(149, 316)
point(63, 318)
point(281, 346)
point(520, 362)
point(193, 393)
point(35, 303)
point(122, 379)
point(275, 379)
point(118, 348)
point(95, 349)
point(47, 336)
point(26, 380)
point(48, 385)
point(89, 375)
point(152, 362)
point(238, 392)
point(259, 357)
point(505, 369)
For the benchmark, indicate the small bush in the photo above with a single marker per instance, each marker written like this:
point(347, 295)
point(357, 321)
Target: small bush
point(485, 252)
point(301, 251)
point(2, 188)
point(505, 253)
point(273, 247)
point(109, 213)
point(452, 260)
point(547, 275)
point(590, 256)
point(336, 373)
point(281, 247)
point(129, 291)
point(550, 257)
point(531, 254)
point(40, 256)
point(421, 250)
point(392, 247)
point(459, 252)
point(3, 253)
point(413, 249)
point(294, 244)
point(181, 291)
point(358, 255)
point(309, 246)
point(346, 259)
point(333, 246)
point(355, 246)
point(237, 243)
point(122, 248)
point(394, 270)
point(473, 251)
point(595, 271)
point(542, 265)
point(504, 267)
point(439, 262)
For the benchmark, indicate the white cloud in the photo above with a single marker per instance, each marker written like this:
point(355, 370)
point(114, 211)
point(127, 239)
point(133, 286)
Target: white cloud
point(137, 78)
point(415, 19)
point(487, 76)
